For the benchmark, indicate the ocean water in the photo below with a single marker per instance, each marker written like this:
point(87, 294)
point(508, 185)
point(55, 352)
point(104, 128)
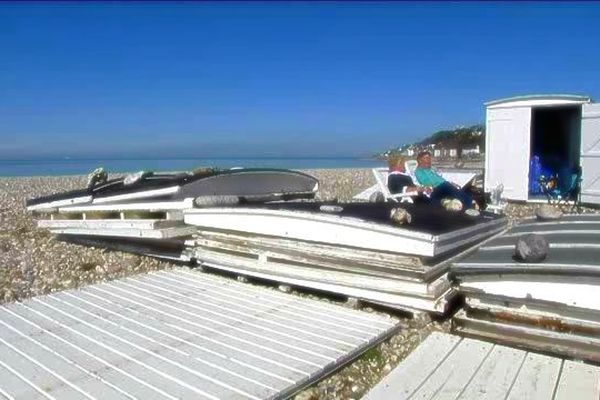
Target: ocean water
point(77, 167)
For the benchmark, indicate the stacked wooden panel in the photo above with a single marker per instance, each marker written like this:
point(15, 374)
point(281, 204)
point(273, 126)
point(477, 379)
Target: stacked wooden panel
point(153, 220)
point(316, 251)
point(550, 306)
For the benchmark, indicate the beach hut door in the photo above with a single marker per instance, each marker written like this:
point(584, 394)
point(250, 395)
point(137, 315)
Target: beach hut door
point(590, 153)
point(507, 158)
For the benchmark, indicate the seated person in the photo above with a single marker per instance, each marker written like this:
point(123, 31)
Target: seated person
point(441, 188)
point(400, 182)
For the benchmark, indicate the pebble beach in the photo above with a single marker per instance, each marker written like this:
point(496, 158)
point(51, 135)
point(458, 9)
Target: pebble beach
point(33, 263)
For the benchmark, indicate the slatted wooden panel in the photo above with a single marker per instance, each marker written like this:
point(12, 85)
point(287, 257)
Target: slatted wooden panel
point(176, 334)
point(449, 367)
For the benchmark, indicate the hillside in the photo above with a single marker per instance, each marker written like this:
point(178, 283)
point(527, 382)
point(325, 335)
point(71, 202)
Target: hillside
point(462, 139)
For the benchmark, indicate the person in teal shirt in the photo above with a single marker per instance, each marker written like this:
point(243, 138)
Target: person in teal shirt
point(441, 188)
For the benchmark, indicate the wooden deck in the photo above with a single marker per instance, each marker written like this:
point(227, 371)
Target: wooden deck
point(449, 367)
point(176, 334)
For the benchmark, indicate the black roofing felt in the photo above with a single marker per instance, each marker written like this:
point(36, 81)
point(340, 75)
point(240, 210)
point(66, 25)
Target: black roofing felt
point(556, 227)
point(573, 256)
point(561, 238)
point(157, 181)
point(425, 218)
point(581, 260)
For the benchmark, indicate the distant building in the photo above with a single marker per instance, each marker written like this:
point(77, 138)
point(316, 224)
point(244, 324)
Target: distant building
point(473, 151)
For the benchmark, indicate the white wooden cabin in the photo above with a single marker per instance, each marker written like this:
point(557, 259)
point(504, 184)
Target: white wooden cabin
point(563, 129)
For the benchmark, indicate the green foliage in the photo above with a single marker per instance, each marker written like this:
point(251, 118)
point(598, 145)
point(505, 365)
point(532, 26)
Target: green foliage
point(458, 138)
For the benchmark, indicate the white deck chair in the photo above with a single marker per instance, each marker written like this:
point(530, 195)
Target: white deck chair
point(381, 176)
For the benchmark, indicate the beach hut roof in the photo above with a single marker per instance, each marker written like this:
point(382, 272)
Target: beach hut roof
point(539, 100)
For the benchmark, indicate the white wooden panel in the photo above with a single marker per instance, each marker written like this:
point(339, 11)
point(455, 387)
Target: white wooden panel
point(496, 375)
point(507, 154)
point(153, 337)
point(578, 381)
point(537, 378)
point(590, 153)
point(405, 379)
point(449, 380)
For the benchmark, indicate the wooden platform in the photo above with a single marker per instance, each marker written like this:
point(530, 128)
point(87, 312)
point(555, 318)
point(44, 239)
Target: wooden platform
point(176, 334)
point(449, 367)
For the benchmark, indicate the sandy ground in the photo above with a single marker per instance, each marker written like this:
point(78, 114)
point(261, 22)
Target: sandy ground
point(33, 262)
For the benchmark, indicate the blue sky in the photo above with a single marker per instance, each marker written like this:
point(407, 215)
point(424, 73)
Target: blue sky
point(274, 79)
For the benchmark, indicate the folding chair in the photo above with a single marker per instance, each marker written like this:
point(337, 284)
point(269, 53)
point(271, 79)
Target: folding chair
point(381, 176)
point(563, 188)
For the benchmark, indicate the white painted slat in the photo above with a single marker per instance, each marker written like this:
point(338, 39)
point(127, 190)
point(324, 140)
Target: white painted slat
point(451, 377)
point(186, 324)
point(219, 384)
point(162, 233)
point(496, 375)
point(107, 223)
point(537, 378)
point(415, 369)
point(249, 321)
point(152, 337)
point(214, 358)
point(368, 321)
point(578, 381)
point(312, 307)
point(84, 378)
point(268, 315)
point(85, 354)
point(285, 343)
point(123, 345)
point(23, 382)
point(282, 316)
point(201, 345)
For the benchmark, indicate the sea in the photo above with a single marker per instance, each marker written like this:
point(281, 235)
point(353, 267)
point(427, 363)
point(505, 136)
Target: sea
point(69, 166)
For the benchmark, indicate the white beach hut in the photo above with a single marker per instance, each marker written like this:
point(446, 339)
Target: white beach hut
point(561, 130)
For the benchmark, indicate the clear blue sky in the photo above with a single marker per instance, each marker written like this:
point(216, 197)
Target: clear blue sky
point(274, 79)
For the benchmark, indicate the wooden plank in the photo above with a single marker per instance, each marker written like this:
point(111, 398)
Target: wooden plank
point(109, 223)
point(329, 256)
point(578, 381)
point(399, 300)
point(310, 272)
point(581, 295)
point(148, 206)
point(415, 369)
point(163, 233)
point(496, 375)
point(544, 340)
point(451, 377)
point(537, 378)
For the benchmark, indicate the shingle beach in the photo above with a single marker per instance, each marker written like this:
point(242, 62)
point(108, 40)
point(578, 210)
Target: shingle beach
point(33, 262)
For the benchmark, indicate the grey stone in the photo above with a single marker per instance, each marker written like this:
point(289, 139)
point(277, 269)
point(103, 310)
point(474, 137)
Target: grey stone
point(354, 303)
point(531, 248)
point(400, 216)
point(547, 212)
point(284, 288)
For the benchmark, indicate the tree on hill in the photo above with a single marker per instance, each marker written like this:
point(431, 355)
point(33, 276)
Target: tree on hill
point(458, 138)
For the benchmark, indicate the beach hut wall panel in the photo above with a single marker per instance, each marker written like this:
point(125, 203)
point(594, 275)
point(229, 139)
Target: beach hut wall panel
point(590, 153)
point(562, 130)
